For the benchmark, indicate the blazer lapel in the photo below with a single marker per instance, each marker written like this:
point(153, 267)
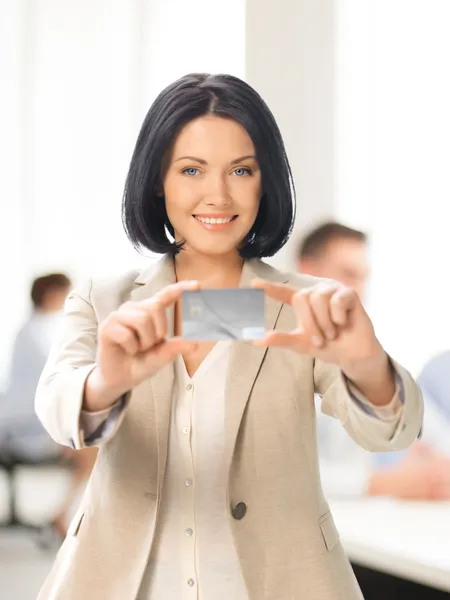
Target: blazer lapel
point(246, 358)
point(159, 388)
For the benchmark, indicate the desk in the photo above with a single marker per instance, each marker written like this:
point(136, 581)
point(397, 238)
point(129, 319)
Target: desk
point(408, 539)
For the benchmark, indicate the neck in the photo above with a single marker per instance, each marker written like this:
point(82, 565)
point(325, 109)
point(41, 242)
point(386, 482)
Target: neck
point(211, 271)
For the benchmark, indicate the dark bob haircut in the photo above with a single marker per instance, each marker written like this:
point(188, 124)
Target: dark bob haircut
point(143, 209)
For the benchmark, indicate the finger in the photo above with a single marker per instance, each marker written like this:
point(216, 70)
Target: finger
point(159, 319)
point(171, 293)
point(319, 300)
point(137, 319)
point(306, 319)
point(277, 291)
point(342, 302)
point(166, 351)
point(124, 337)
point(295, 340)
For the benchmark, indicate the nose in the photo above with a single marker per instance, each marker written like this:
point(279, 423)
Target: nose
point(217, 193)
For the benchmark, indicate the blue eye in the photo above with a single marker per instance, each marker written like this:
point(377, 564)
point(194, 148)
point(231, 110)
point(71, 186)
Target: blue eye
point(241, 171)
point(191, 171)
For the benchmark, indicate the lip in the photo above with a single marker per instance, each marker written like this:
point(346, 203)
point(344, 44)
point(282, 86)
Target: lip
point(215, 226)
point(214, 215)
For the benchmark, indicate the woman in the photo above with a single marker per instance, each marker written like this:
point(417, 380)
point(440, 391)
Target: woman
point(207, 484)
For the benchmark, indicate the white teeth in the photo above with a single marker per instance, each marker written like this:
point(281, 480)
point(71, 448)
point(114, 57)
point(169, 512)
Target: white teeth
point(212, 221)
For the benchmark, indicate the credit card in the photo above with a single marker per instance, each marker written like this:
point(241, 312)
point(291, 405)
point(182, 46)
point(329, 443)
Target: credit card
point(223, 314)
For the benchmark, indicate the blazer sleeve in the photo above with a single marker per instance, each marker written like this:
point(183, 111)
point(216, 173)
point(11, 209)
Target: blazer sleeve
point(365, 427)
point(59, 395)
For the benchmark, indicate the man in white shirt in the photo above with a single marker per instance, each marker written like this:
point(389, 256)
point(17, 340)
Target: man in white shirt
point(335, 251)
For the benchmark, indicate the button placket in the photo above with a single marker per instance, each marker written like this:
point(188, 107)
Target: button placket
point(188, 532)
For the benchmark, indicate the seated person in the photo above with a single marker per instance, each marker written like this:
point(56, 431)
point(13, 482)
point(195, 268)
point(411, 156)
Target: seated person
point(432, 453)
point(23, 439)
point(422, 472)
point(434, 381)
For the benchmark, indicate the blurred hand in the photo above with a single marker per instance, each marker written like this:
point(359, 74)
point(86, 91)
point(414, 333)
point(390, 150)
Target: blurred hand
point(422, 475)
point(439, 475)
point(132, 347)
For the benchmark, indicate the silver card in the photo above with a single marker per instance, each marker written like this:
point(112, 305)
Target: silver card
point(223, 314)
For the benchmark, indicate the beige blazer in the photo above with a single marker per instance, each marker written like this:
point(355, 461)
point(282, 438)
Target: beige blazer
point(287, 543)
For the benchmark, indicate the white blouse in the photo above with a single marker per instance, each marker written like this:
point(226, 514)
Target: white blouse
point(193, 555)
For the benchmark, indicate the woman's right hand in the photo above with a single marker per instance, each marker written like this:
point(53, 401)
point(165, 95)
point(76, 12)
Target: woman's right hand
point(132, 347)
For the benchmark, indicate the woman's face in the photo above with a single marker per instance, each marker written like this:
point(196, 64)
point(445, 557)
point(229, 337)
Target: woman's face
point(212, 185)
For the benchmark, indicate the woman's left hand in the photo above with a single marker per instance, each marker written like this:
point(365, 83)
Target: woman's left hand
point(332, 326)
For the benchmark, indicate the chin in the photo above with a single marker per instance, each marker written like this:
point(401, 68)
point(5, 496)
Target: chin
point(212, 249)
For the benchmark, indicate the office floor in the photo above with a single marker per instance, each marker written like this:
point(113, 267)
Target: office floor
point(22, 566)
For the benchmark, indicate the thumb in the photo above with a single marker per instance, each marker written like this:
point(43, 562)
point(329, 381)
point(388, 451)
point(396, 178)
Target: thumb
point(292, 339)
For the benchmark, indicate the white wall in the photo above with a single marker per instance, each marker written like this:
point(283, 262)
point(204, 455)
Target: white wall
point(79, 77)
point(360, 89)
point(198, 36)
point(290, 61)
point(82, 132)
point(406, 52)
point(13, 250)
point(353, 108)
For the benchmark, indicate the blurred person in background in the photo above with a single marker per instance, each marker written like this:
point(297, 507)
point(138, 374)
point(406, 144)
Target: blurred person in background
point(333, 250)
point(434, 381)
point(423, 471)
point(23, 439)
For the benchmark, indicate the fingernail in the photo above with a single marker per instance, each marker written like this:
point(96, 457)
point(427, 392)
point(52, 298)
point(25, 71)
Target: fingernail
point(317, 341)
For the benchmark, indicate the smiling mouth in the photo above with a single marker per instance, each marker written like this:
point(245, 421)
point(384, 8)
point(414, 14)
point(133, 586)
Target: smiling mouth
point(215, 220)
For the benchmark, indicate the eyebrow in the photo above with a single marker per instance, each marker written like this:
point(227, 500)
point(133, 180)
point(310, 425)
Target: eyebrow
point(204, 162)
